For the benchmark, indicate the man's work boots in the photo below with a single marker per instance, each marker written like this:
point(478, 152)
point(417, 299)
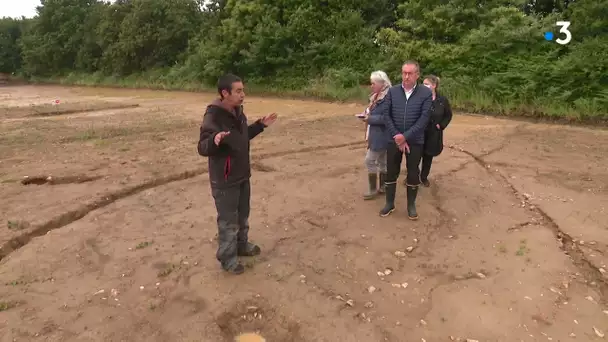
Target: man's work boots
point(382, 186)
point(248, 249)
point(372, 190)
point(237, 269)
point(412, 192)
point(389, 207)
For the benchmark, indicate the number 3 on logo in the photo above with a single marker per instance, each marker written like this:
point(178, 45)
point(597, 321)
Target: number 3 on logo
point(564, 29)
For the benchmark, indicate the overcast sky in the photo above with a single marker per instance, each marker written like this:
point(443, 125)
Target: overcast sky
point(15, 9)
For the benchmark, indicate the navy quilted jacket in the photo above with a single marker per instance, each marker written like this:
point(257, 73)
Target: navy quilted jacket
point(407, 116)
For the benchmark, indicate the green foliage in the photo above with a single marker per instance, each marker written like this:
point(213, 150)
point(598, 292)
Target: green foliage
point(490, 54)
point(10, 51)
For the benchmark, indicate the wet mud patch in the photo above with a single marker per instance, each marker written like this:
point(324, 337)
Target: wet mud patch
point(40, 180)
point(259, 317)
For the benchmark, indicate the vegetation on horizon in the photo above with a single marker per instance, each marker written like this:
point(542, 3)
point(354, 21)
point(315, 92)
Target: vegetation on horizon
point(490, 54)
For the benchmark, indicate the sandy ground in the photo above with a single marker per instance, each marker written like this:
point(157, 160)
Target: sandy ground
point(112, 235)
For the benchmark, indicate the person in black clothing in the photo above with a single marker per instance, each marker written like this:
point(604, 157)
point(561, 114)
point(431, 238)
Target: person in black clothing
point(224, 138)
point(440, 117)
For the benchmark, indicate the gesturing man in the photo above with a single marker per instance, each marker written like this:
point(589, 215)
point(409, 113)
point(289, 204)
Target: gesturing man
point(406, 114)
point(224, 138)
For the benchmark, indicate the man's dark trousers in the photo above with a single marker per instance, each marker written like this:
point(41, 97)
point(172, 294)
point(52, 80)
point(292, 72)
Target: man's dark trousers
point(412, 163)
point(233, 207)
point(394, 158)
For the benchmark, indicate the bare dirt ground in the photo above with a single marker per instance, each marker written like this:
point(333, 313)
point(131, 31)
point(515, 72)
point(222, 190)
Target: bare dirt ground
point(112, 235)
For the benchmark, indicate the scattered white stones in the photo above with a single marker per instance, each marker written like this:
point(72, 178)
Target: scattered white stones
point(410, 249)
point(400, 254)
point(589, 298)
point(364, 317)
point(602, 270)
point(423, 322)
point(481, 275)
point(388, 271)
point(100, 291)
point(554, 290)
point(371, 289)
point(598, 332)
point(349, 302)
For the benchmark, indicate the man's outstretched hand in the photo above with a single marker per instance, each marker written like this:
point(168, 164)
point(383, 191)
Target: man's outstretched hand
point(219, 137)
point(269, 119)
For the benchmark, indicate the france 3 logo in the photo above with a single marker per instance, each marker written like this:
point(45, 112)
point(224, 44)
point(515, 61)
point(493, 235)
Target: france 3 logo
point(563, 29)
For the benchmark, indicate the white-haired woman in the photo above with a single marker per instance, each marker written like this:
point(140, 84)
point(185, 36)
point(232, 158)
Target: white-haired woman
point(376, 135)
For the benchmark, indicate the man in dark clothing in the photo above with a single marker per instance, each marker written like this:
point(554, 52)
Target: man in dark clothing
point(406, 114)
point(224, 138)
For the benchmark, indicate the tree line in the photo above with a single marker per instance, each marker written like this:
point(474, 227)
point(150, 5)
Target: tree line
point(491, 55)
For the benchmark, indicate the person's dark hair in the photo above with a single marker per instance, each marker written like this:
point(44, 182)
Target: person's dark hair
point(433, 79)
point(225, 83)
point(412, 62)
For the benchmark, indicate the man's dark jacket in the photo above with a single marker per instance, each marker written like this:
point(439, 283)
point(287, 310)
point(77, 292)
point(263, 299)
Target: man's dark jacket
point(407, 116)
point(229, 163)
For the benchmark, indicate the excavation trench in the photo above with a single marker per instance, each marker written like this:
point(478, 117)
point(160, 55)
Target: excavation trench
point(107, 199)
point(589, 271)
point(83, 110)
point(39, 180)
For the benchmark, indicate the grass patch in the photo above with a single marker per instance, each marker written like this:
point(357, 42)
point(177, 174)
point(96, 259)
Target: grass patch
point(4, 306)
point(462, 98)
point(167, 270)
point(144, 244)
point(523, 248)
point(17, 225)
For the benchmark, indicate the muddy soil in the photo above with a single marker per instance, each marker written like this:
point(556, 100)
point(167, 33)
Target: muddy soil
point(109, 228)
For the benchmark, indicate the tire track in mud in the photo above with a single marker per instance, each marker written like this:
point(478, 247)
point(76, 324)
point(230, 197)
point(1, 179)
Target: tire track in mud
point(590, 272)
point(107, 199)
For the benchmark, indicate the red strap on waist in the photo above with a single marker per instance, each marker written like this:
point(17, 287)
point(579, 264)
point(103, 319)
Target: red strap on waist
point(227, 168)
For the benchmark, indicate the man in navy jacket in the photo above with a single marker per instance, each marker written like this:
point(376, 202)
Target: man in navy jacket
point(406, 114)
